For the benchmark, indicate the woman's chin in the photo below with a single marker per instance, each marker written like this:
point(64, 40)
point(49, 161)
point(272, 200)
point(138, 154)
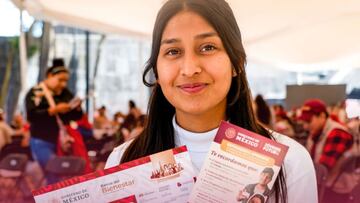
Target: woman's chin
point(58, 91)
point(193, 110)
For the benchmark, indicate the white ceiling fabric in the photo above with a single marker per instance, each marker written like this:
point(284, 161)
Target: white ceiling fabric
point(296, 34)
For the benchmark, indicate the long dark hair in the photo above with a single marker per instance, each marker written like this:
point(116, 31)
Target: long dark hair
point(158, 134)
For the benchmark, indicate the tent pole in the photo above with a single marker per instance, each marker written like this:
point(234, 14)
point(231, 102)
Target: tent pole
point(87, 69)
point(23, 57)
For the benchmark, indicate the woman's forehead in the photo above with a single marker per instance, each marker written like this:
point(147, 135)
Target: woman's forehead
point(187, 22)
point(63, 75)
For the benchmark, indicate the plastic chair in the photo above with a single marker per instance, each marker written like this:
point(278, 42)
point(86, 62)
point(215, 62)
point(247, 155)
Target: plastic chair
point(12, 168)
point(15, 148)
point(65, 166)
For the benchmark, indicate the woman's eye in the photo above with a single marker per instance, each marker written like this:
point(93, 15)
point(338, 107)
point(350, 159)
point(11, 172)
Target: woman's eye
point(172, 52)
point(208, 48)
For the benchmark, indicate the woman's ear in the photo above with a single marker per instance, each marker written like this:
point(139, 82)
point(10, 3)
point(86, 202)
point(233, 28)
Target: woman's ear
point(234, 73)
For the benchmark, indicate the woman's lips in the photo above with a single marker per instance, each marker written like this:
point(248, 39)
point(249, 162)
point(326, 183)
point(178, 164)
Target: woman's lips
point(192, 87)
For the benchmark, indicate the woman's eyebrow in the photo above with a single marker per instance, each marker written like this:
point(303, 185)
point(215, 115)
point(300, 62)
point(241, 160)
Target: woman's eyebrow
point(170, 41)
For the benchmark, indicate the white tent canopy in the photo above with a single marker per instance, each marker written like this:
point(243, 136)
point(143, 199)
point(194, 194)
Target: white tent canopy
point(305, 34)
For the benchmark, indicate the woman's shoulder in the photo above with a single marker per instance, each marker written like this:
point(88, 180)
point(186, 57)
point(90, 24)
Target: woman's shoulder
point(295, 148)
point(116, 155)
point(298, 162)
point(34, 89)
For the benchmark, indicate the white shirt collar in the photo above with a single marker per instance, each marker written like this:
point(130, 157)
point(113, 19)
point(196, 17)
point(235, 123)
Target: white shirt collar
point(195, 142)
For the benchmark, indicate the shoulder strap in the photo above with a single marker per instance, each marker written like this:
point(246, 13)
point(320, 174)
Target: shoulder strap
point(47, 94)
point(51, 102)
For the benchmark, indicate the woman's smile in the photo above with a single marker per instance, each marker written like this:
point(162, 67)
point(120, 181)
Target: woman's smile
point(193, 88)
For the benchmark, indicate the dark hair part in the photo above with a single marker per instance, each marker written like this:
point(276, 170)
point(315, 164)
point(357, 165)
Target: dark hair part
point(158, 134)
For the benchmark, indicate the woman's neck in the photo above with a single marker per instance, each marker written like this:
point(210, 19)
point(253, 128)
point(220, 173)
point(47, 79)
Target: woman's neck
point(46, 82)
point(202, 122)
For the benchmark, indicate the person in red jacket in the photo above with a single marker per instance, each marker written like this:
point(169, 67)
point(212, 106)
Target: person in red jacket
point(328, 139)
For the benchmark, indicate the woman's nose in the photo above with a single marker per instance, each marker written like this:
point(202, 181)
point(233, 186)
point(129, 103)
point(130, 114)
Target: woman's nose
point(191, 65)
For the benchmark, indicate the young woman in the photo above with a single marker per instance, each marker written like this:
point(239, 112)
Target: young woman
point(199, 65)
point(44, 129)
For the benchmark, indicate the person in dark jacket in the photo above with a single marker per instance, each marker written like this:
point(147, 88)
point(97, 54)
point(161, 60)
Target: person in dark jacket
point(44, 128)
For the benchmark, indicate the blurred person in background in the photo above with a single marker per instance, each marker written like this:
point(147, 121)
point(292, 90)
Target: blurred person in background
point(21, 138)
point(22, 128)
point(84, 127)
point(44, 127)
point(283, 124)
point(124, 133)
point(118, 120)
point(354, 127)
point(345, 175)
point(5, 131)
point(101, 121)
point(102, 125)
point(263, 112)
point(278, 108)
point(328, 139)
point(135, 111)
point(139, 127)
point(337, 113)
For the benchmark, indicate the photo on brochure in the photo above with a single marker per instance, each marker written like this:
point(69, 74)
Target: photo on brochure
point(165, 166)
point(259, 190)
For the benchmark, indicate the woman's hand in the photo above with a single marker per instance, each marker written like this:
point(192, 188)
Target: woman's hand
point(242, 195)
point(59, 108)
point(63, 108)
point(75, 103)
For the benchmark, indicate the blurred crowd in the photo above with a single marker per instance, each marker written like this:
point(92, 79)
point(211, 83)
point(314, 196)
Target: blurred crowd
point(325, 131)
point(329, 135)
point(108, 133)
point(99, 138)
point(57, 140)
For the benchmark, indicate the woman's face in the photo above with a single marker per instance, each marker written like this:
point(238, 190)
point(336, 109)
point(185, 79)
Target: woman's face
point(58, 82)
point(194, 70)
